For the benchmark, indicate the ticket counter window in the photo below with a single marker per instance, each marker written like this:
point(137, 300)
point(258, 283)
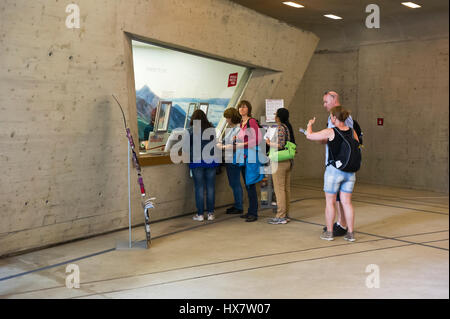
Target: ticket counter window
point(170, 85)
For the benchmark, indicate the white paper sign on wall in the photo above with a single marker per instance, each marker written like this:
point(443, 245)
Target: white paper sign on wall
point(271, 108)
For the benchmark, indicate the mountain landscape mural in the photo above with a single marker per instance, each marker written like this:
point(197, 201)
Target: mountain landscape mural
point(147, 101)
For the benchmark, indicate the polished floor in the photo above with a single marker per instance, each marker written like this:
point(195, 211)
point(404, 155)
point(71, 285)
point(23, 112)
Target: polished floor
point(401, 252)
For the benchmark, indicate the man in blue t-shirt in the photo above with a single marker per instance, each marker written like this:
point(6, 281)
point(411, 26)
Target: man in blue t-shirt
point(330, 100)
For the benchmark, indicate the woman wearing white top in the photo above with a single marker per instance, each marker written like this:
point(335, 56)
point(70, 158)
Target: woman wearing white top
point(233, 119)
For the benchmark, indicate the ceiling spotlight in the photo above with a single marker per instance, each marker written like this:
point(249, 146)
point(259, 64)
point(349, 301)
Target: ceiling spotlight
point(293, 4)
point(411, 5)
point(332, 16)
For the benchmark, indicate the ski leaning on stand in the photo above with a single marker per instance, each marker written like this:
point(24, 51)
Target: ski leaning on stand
point(146, 204)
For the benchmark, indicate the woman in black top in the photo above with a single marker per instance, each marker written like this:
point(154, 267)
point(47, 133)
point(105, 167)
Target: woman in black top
point(336, 180)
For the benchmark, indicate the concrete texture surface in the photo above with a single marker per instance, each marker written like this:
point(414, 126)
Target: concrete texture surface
point(64, 152)
point(403, 82)
point(403, 232)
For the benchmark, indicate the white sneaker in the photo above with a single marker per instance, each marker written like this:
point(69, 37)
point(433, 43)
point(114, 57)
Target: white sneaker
point(211, 216)
point(198, 218)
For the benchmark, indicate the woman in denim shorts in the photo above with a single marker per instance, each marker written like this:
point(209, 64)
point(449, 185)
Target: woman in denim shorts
point(336, 180)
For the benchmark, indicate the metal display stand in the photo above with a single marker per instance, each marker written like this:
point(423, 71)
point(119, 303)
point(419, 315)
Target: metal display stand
point(130, 245)
point(147, 204)
point(268, 182)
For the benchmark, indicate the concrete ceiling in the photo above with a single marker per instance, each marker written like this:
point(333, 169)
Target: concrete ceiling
point(352, 11)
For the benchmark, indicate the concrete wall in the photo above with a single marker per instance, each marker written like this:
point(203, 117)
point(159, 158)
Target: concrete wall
point(335, 71)
point(64, 154)
point(391, 73)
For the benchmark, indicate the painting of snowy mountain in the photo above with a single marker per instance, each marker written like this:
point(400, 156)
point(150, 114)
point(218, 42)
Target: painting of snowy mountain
point(147, 101)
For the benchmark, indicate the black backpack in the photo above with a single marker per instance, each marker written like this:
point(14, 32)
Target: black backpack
point(358, 131)
point(349, 157)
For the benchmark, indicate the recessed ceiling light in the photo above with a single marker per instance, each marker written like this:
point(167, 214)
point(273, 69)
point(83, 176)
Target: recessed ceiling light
point(293, 4)
point(411, 5)
point(332, 16)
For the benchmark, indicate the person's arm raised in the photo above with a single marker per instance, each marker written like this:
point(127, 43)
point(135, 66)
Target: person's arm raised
point(321, 136)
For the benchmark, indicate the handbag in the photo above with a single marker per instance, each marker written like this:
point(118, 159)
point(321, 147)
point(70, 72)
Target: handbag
point(253, 168)
point(253, 171)
point(287, 154)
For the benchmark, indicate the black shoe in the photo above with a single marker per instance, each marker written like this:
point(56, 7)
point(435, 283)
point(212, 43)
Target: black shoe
point(234, 210)
point(231, 209)
point(251, 218)
point(337, 230)
point(244, 216)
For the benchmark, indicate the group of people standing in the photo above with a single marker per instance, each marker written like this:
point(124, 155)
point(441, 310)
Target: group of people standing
point(338, 185)
point(240, 122)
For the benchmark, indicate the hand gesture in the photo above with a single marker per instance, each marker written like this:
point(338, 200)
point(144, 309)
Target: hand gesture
point(312, 121)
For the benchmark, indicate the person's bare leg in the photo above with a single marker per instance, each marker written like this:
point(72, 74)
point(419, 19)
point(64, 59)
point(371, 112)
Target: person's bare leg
point(341, 219)
point(346, 201)
point(330, 212)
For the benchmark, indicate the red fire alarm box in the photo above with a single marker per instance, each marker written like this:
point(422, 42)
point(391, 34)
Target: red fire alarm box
point(380, 121)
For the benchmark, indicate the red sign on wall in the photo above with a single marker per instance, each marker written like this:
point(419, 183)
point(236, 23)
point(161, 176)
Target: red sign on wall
point(380, 121)
point(232, 79)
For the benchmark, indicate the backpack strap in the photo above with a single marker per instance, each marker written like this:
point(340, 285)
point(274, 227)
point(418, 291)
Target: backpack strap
point(332, 160)
point(247, 125)
point(257, 122)
point(343, 141)
point(336, 130)
point(257, 140)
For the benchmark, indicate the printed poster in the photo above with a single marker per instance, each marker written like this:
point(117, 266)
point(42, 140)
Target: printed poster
point(271, 108)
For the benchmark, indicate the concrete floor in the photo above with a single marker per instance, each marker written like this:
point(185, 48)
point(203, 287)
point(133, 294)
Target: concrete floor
point(405, 233)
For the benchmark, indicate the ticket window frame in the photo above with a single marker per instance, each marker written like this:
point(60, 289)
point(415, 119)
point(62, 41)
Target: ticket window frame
point(145, 159)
